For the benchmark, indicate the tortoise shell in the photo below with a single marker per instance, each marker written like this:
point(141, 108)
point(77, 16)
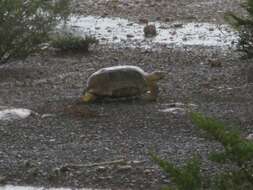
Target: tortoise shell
point(118, 81)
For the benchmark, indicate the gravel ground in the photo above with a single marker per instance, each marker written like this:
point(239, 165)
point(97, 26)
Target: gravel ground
point(161, 10)
point(106, 144)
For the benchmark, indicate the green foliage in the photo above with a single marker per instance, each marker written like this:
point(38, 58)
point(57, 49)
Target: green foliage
point(185, 178)
point(238, 152)
point(69, 42)
point(233, 180)
point(26, 25)
point(237, 149)
point(245, 28)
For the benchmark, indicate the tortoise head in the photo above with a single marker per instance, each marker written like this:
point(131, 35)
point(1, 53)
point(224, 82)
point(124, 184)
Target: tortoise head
point(156, 75)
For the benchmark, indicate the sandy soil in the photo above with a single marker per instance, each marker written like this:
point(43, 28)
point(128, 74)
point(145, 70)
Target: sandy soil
point(106, 144)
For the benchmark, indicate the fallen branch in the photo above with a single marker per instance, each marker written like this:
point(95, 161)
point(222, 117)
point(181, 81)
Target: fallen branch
point(114, 162)
point(121, 161)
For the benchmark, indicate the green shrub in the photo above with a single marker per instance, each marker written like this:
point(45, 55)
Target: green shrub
point(245, 27)
point(26, 25)
point(238, 153)
point(69, 42)
point(185, 177)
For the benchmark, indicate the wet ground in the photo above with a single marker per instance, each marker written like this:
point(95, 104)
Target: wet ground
point(65, 143)
point(124, 33)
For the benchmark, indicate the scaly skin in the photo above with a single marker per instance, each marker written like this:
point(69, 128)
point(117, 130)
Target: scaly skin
point(88, 97)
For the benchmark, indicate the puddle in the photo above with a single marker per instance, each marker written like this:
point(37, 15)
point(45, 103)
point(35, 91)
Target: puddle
point(12, 187)
point(9, 114)
point(120, 31)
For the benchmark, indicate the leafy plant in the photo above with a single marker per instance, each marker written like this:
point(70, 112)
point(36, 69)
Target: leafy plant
point(26, 25)
point(245, 27)
point(238, 153)
point(187, 177)
point(69, 42)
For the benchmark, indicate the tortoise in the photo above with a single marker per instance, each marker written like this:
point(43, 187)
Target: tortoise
point(122, 81)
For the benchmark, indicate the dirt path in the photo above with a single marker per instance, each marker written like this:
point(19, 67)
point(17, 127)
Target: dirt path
point(161, 10)
point(106, 144)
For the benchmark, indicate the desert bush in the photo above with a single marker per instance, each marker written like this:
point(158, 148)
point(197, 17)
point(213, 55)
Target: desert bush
point(69, 42)
point(26, 25)
point(238, 154)
point(245, 27)
point(186, 177)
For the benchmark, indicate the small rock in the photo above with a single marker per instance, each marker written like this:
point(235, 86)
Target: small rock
point(124, 168)
point(130, 36)
point(250, 74)
point(105, 178)
point(173, 33)
point(174, 110)
point(150, 31)
point(147, 171)
point(214, 63)
point(167, 19)
point(34, 171)
point(14, 114)
point(136, 161)
point(250, 137)
point(47, 115)
point(143, 20)
point(101, 169)
point(3, 179)
point(158, 18)
point(178, 25)
point(29, 164)
point(163, 27)
point(184, 39)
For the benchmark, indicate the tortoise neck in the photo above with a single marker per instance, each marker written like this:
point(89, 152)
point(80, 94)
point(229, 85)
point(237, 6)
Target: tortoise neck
point(151, 78)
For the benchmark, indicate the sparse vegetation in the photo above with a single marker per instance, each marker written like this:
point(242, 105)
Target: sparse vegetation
point(69, 42)
point(26, 25)
point(186, 177)
point(245, 27)
point(238, 152)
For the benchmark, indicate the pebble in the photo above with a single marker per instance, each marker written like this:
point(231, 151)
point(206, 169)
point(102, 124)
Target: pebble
point(101, 168)
point(178, 25)
point(130, 35)
point(2, 179)
point(250, 137)
point(214, 63)
point(143, 20)
point(250, 74)
point(124, 168)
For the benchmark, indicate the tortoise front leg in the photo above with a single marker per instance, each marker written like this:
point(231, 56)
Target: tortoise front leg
point(88, 97)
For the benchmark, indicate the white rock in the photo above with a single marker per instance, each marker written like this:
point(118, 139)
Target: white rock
point(250, 137)
point(174, 110)
point(10, 114)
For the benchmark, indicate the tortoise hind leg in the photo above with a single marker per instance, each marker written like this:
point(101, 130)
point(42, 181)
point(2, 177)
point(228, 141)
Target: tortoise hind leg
point(88, 97)
point(152, 94)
